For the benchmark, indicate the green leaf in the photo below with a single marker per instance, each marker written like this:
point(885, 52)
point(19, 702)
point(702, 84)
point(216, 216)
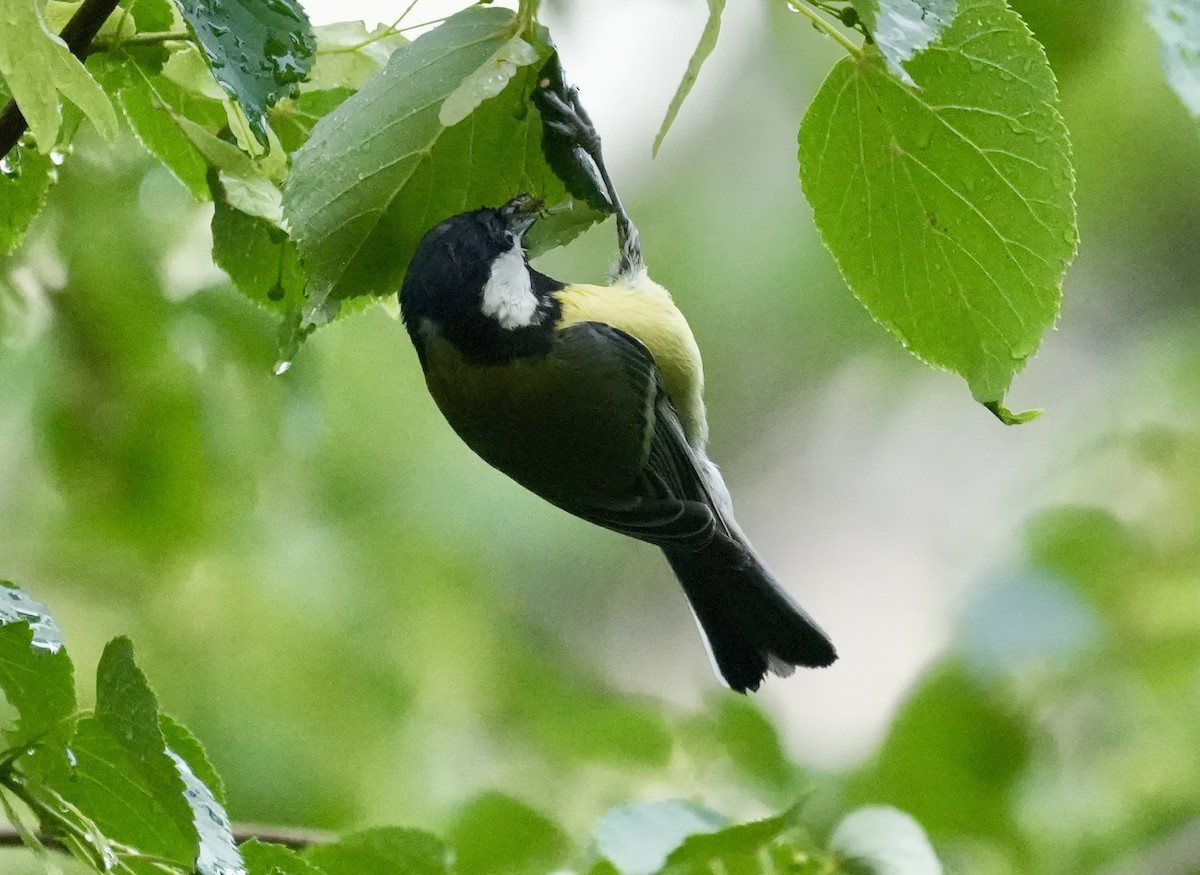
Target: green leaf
point(36, 674)
point(1178, 25)
point(151, 16)
point(263, 858)
point(885, 841)
point(496, 833)
point(708, 42)
point(752, 742)
point(1091, 547)
point(903, 28)
point(247, 186)
point(293, 120)
point(37, 67)
point(152, 104)
point(258, 51)
point(365, 189)
point(572, 717)
point(125, 703)
point(1006, 416)
point(107, 795)
point(953, 757)
point(188, 68)
point(188, 747)
point(260, 259)
point(949, 209)
point(383, 852)
point(128, 708)
point(735, 844)
point(25, 179)
point(348, 54)
point(638, 839)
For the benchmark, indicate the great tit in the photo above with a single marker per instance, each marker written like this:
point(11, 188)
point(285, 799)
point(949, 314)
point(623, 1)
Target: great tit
point(592, 397)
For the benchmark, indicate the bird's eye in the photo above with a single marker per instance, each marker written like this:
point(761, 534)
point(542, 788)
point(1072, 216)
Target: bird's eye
point(510, 238)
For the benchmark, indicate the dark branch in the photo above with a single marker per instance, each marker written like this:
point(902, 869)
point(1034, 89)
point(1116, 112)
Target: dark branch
point(291, 837)
point(78, 35)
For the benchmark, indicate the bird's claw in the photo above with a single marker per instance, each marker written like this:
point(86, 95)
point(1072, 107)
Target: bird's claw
point(569, 118)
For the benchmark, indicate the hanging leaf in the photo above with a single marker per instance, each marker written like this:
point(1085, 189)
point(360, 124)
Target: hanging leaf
point(949, 208)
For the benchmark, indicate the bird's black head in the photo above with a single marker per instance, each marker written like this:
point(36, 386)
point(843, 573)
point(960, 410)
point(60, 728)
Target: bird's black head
point(470, 283)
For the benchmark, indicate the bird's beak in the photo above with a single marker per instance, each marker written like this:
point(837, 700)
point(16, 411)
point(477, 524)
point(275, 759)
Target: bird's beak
point(521, 212)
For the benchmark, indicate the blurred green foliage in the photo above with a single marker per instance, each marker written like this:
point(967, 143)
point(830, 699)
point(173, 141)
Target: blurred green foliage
point(365, 625)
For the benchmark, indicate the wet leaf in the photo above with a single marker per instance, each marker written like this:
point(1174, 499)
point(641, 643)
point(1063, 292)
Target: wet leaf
point(36, 674)
point(153, 104)
point(259, 50)
point(105, 791)
point(902, 29)
point(260, 258)
point(217, 853)
point(293, 120)
point(949, 208)
point(188, 747)
point(25, 179)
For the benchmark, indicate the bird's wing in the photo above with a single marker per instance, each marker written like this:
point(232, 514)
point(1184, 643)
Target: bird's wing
point(669, 504)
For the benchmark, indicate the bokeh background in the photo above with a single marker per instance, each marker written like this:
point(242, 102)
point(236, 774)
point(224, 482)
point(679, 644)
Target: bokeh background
point(366, 625)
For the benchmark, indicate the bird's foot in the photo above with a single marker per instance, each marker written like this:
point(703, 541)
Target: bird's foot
point(569, 118)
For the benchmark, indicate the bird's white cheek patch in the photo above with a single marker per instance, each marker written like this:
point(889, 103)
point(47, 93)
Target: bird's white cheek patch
point(508, 295)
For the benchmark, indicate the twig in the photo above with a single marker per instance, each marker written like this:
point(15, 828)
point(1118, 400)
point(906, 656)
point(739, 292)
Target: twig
point(292, 837)
point(821, 24)
point(78, 35)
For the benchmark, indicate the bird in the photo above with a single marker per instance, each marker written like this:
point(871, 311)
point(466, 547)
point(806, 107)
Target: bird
point(591, 396)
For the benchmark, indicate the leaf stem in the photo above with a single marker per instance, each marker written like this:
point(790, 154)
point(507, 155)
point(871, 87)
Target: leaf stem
point(422, 24)
point(151, 38)
point(821, 24)
point(390, 30)
point(526, 14)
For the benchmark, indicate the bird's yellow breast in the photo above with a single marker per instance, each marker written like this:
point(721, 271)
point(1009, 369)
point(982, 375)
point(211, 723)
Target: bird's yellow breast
point(645, 311)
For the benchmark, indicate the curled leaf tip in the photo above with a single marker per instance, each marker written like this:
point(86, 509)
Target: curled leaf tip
point(1006, 416)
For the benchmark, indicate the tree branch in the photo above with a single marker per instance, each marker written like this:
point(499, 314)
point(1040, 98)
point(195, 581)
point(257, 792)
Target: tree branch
point(292, 837)
point(78, 35)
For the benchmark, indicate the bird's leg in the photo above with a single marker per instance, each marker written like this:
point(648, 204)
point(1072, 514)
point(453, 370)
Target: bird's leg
point(569, 118)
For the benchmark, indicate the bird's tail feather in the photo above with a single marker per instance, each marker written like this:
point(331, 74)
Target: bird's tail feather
point(751, 625)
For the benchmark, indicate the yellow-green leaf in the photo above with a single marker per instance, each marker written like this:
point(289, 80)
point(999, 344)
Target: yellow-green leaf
point(40, 70)
point(708, 41)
